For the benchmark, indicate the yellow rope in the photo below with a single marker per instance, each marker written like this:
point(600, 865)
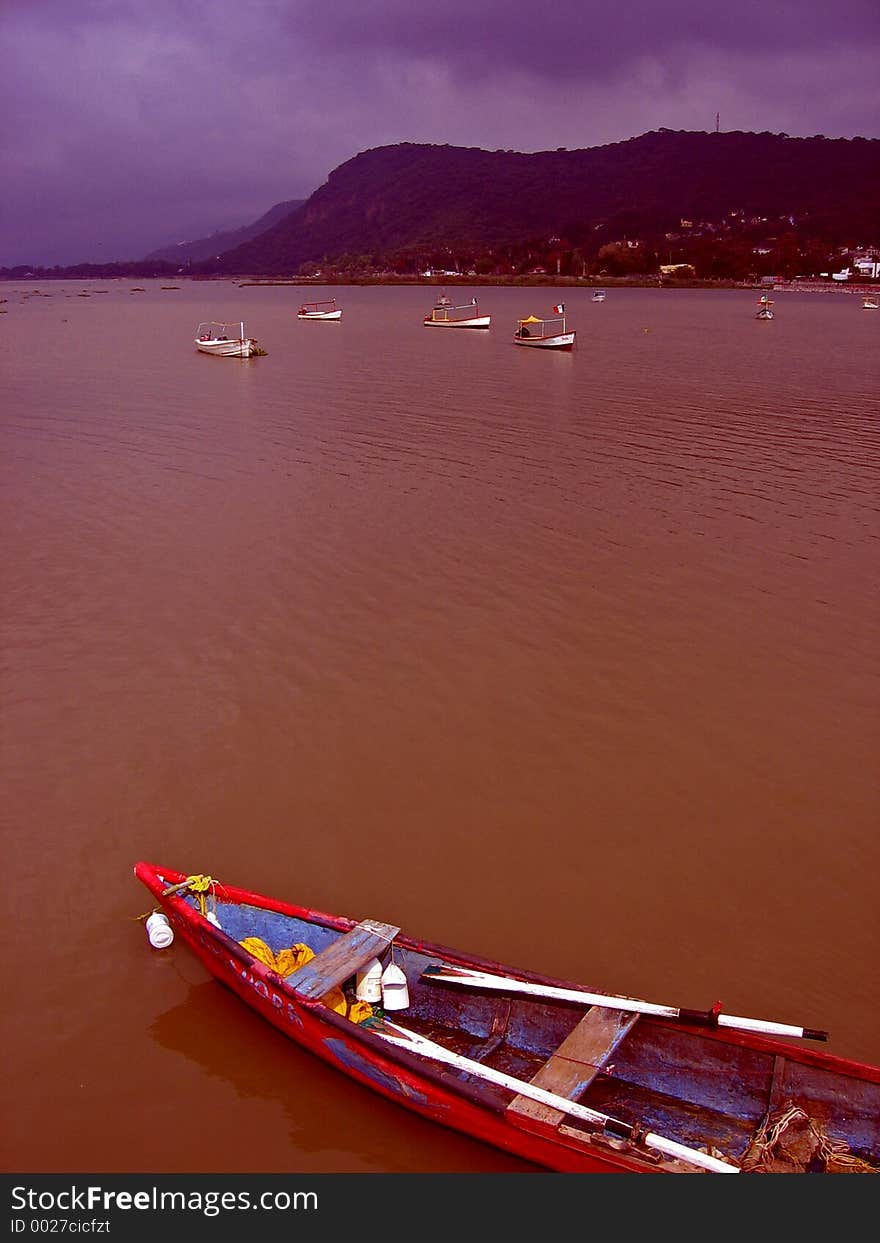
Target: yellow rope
point(198, 886)
point(146, 914)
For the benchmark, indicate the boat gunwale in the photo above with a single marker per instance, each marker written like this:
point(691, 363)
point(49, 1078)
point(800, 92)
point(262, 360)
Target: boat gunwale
point(559, 341)
point(815, 1058)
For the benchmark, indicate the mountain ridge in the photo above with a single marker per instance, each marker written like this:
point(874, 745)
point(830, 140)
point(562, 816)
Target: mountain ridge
point(388, 199)
point(731, 204)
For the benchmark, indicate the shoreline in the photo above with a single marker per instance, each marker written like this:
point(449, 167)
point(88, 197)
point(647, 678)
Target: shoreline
point(555, 282)
point(608, 283)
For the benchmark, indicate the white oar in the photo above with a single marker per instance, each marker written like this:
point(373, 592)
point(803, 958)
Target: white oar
point(415, 1043)
point(705, 1018)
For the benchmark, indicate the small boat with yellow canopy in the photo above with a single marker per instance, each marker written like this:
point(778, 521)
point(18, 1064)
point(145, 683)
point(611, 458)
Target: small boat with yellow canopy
point(548, 334)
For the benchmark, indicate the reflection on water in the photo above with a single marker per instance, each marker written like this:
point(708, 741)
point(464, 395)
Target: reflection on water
point(568, 659)
point(254, 1072)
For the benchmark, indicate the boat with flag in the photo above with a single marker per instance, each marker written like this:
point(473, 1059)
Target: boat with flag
point(326, 309)
point(764, 305)
point(572, 1079)
point(549, 334)
point(445, 314)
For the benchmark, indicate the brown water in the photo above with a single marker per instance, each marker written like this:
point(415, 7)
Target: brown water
point(568, 660)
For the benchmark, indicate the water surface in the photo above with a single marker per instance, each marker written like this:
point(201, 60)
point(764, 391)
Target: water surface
point(567, 659)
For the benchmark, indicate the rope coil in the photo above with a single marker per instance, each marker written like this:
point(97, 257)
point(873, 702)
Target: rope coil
point(793, 1138)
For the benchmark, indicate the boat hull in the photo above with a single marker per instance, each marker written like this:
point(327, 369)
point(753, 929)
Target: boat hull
point(320, 315)
point(482, 321)
point(562, 341)
point(228, 349)
point(464, 1103)
point(360, 1056)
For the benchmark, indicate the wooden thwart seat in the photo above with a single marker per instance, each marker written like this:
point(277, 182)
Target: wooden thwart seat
point(572, 1068)
point(341, 959)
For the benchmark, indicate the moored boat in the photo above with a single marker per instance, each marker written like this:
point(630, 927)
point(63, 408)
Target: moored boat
point(764, 305)
point(599, 295)
point(225, 340)
point(870, 303)
point(326, 309)
point(571, 1080)
point(444, 314)
point(550, 333)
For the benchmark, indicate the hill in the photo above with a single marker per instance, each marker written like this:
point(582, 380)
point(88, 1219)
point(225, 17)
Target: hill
point(408, 198)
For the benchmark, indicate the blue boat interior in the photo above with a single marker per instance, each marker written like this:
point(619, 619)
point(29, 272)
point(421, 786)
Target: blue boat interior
point(693, 1090)
point(278, 931)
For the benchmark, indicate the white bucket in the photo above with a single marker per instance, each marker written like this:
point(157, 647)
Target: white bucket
point(368, 985)
point(395, 994)
point(159, 932)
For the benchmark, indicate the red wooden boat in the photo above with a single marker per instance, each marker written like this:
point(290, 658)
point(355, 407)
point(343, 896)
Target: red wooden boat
point(572, 1080)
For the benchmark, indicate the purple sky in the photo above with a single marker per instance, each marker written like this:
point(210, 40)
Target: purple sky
point(125, 126)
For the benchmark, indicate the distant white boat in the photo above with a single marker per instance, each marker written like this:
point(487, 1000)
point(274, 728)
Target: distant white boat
point(320, 310)
point(548, 334)
point(599, 295)
point(444, 314)
point(870, 304)
point(764, 303)
point(225, 340)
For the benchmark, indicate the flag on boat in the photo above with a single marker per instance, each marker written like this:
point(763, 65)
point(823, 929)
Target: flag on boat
point(560, 309)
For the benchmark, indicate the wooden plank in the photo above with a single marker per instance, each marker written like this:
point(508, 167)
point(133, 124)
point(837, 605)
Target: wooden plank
point(572, 1068)
point(777, 1087)
point(343, 958)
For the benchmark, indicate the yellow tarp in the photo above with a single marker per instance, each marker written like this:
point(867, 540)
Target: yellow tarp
point(286, 961)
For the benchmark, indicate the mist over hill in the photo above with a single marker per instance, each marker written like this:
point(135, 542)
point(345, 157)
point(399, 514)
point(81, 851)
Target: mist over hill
point(185, 253)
